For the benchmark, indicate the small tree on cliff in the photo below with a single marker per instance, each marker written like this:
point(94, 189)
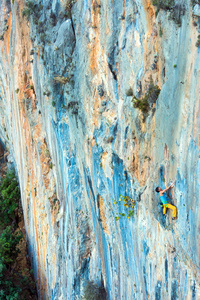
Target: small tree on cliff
point(8, 245)
point(9, 198)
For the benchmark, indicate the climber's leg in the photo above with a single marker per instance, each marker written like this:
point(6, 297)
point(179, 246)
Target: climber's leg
point(164, 209)
point(174, 210)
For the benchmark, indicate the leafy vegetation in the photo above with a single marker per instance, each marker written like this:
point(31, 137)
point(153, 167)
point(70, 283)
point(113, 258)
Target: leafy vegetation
point(29, 9)
point(164, 4)
point(68, 7)
point(13, 285)
point(94, 291)
point(142, 104)
point(74, 106)
point(176, 10)
point(9, 199)
point(8, 290)
point(8, 245)
point(128, 204)
point(129, 92)
point(33, 11)
point(46, 93)
point(198, 41)
point(150, 97)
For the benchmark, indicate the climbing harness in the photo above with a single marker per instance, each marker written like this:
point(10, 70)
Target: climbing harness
point(164, 204)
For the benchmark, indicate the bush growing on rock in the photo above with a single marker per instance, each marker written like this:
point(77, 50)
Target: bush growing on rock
point(32, 9)
point(176, 10)
point(29, 9)
point(176, 13)
point(68, 7)
point(129, 92)
point(74, 106)
point(164, 4)
point(198, 41)
point(145, 103)
point(128, 204)
point(9, 198)
point(68, 4)
point(142, 104)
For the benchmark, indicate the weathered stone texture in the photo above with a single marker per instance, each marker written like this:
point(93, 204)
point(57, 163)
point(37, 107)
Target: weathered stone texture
point(78, 143)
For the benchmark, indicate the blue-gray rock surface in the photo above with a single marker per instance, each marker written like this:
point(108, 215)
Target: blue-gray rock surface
point(68, 73)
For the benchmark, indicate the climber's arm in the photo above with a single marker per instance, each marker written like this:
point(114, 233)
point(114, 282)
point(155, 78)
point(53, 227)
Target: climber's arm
point(169, 187)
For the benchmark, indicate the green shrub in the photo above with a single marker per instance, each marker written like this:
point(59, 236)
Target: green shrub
point(198, 41)
point(9, 198)
point(164, 4)
point(46, 93)
point(13, 285)
point(8, 254)
point(176, 13)
point(176, 10)
point(74, 107)
point(94, 291)
point(32, 9)
point(8, 245)
point(142, 104)
point(129, 92)
point(29, 9)
point(68, 5)
point(150, 97)
point(128, 204)
point(8, 289)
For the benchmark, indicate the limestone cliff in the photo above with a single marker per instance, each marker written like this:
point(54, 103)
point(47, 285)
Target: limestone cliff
point(69, 73)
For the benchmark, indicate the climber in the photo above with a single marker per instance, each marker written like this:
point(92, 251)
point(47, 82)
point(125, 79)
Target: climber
point(164, 200)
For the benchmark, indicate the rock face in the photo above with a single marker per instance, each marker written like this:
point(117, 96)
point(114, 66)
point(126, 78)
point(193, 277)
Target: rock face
point(196, 10)
point(78, 143)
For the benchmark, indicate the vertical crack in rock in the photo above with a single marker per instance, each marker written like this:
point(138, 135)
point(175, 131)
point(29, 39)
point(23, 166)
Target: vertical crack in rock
point(102, 210)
